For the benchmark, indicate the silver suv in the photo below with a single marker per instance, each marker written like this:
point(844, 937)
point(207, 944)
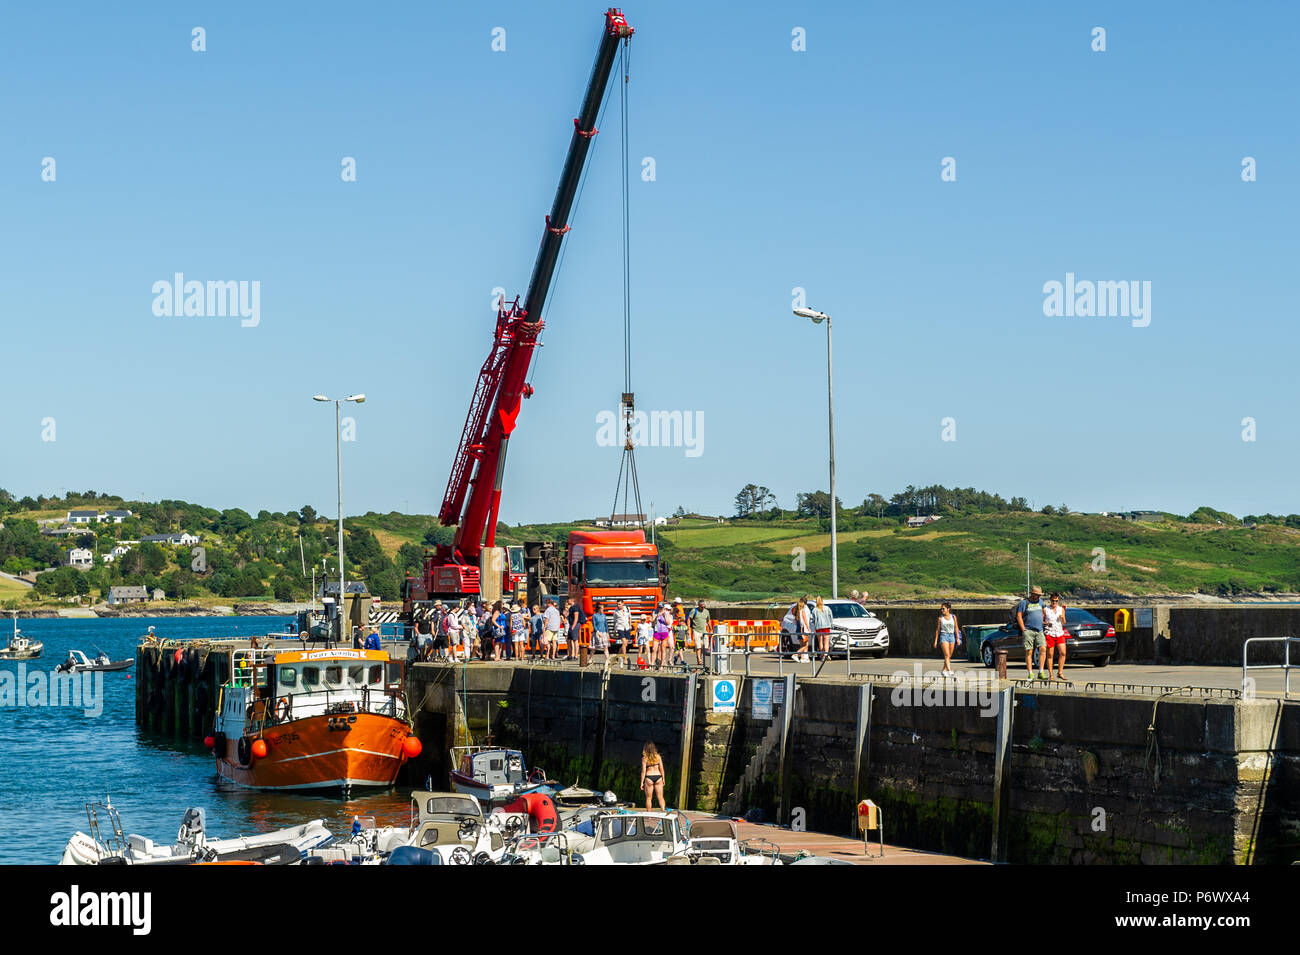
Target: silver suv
point(854, 628)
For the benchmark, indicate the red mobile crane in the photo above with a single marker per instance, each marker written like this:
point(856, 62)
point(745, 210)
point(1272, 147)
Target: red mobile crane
point(471, 565)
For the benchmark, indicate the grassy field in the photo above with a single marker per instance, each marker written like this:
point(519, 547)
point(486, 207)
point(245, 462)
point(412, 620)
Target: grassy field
point(10, 590)
point(985, 556)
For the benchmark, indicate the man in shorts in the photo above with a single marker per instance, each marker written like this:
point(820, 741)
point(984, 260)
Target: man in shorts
point(622, 626)
point(700, 627)
point(1029, 615)
point(551, 631)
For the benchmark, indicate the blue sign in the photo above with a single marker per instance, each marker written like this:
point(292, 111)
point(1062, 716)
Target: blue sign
point(762, 699)
point(724, 696)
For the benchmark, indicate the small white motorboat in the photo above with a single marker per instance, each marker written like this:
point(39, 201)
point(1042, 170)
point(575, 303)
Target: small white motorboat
point(494, 774)
point(450, 826)
point(78, 662)
point(192, 846)
point(622, 837)
point(716, 842)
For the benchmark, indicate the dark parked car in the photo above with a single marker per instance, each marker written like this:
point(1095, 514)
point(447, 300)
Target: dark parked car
point(1090, 638)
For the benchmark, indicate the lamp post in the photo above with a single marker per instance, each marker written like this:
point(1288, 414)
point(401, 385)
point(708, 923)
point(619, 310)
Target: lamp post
point(338, 435)
point(818, 318)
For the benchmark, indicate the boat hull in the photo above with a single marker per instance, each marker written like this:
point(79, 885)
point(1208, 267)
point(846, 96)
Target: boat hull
point(317, 752)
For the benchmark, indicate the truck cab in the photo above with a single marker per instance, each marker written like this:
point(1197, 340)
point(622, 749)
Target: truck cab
point(605, 567)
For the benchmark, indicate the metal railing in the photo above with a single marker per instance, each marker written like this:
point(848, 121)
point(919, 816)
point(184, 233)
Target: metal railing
point(1286, 666)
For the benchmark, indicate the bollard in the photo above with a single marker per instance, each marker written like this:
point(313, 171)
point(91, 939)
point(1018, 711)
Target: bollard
point(1000, 663)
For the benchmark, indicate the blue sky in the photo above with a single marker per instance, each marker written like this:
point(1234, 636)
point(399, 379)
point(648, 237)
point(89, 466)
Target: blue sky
point(775, 170)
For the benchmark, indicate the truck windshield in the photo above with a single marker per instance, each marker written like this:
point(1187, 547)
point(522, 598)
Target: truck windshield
point(622, 573)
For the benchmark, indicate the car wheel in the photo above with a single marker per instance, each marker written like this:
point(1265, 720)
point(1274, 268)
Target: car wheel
point(986, 654)
point(1100, 661)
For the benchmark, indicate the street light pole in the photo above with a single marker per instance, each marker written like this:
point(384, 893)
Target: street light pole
point(338, 447)
point(830, 414)
point(819, 317)
point(338, 460)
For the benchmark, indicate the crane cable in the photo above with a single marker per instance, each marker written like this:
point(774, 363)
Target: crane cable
point(631, 486)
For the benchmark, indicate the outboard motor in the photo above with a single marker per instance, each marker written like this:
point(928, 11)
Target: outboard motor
point(193, 829)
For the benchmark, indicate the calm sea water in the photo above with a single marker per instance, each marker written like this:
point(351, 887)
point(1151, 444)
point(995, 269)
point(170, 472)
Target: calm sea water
point(53, 760)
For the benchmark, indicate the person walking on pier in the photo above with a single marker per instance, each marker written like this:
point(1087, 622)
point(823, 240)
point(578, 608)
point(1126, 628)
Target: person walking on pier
point(622, 627)
point(803, 617)
point(1029, 617)
point(822, 625)
point(600, 633)
point(451, 631)
point(536, 626)
point(947, 633)
point(652, 776)
point(500, 625)
point(1054, 636)
point(518, 632)
point(680, 632)
point(663, 634)
point(551, 633)
point(644, 634)
point(700, 625)
point(576, 619)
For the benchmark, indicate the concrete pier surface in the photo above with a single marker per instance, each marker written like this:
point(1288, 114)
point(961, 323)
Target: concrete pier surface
point(843, 848)
point(1081, 677)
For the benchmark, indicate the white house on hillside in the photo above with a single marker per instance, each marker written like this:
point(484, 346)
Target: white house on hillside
point(81, 558)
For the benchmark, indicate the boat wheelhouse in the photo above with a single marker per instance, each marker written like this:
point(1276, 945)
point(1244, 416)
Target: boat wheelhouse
point(493, 774)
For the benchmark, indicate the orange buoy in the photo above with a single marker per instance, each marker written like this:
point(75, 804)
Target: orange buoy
point(259, 749)
point(209, 741)
point(179, 655)
point(412, 747)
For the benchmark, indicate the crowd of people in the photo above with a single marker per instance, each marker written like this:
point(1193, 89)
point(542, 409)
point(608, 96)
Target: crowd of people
point(456, 631)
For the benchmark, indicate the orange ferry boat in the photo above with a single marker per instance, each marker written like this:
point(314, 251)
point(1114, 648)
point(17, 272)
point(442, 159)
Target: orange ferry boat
point(312, 719)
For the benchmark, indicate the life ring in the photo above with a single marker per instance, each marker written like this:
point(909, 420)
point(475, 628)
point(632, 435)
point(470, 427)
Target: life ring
point(283, 707)
point(537, 775)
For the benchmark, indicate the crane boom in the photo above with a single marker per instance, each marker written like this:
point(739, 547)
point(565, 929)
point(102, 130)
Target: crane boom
point(473, 496)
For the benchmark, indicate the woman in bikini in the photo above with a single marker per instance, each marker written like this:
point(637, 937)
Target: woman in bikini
point(652, 775)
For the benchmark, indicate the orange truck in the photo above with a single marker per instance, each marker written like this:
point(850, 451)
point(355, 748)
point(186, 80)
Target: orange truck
point(598, 567)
